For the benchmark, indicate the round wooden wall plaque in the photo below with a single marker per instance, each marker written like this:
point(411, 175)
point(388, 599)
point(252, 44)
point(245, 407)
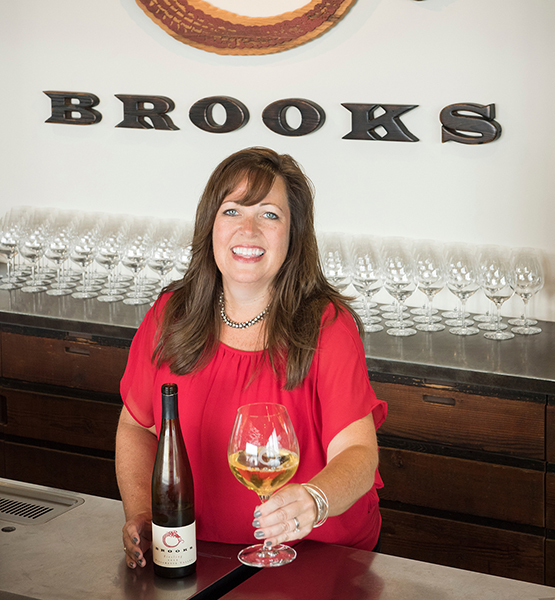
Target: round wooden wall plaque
point(204, 26)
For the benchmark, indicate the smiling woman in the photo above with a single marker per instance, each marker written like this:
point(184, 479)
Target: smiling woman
point(254, 319)
point(213, 29)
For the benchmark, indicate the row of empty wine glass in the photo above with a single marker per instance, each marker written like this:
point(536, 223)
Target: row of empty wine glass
point(92, 255)
point(402, 266)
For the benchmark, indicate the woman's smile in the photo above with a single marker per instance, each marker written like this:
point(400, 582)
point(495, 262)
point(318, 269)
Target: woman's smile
point(249, 253)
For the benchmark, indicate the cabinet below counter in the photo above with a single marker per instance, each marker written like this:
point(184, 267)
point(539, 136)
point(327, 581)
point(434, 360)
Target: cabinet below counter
point(467, 452)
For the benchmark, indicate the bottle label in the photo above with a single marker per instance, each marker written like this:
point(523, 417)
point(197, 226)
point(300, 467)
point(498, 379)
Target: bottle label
point(174, 546)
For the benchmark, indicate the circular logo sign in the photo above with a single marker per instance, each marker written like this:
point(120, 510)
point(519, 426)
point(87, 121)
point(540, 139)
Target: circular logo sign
point(198, 24)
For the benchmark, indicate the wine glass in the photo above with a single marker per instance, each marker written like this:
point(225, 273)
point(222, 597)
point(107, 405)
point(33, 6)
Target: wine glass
point(9, 239)
point(82, 253)
point(108, 255)
point(528, 279)
point(429, 269)
point(57, 251)
point(263, 455)
point(398, 273)
point(462, 281)
point(161, 258)
point(367, 277)
point(334, 260)
point(134, 258)
point(31, 247)
point(495, 279)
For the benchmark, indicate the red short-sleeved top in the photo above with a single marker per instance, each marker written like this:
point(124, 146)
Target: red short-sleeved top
point(335, 393)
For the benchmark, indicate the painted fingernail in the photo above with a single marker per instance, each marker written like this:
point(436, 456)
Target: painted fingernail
point(137, 555)
point(258, 534)
point(267, 544)
point(135, 540)
point(131, 565)
point(255, 523)
point(257, 514)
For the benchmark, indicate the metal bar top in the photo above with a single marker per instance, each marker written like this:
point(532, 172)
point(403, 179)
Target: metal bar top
point(524, 363)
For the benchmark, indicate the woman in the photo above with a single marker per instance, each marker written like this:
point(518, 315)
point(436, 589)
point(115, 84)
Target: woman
point(254, 320)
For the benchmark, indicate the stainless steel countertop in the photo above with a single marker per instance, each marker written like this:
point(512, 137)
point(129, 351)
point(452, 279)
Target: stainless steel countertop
point(328, 572)
point(78, 555)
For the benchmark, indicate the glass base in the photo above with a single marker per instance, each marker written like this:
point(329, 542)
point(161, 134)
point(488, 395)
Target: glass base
point(110, 298)
point(492, 326)
point(259, 556)
point(423, 311)
point(372, 327)
point(526, 330)
point(394, 322)
point(458, 322)
point(84, 295)
point(10, 286)
point(136, 301)
point(454, 314)
point(522, 322)
point(401, 331)
point(430, 327)
point(59, 291)
point(464, 330)
point(425, 319)
point(33, 289)
point(499, 335)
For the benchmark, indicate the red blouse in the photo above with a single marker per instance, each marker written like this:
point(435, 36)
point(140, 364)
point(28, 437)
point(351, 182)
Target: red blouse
point(335, 393)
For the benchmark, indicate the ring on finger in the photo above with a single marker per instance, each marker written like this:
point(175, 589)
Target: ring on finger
point(297, 524)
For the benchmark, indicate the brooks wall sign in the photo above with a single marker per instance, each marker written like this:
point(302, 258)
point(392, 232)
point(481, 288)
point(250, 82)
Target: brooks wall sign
point(465, 123)
point(206, 27)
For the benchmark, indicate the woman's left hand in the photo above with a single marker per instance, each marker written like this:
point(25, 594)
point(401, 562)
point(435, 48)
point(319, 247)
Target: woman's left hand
point(288, 515)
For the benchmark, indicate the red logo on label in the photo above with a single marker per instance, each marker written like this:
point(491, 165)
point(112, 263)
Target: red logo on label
point(172, 539)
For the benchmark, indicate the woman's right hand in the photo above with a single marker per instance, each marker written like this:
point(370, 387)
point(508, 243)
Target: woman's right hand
point(137, 537)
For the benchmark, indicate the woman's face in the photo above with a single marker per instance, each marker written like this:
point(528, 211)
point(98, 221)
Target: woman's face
point(251, 242)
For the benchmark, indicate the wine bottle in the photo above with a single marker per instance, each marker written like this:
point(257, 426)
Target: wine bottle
point(174, 549)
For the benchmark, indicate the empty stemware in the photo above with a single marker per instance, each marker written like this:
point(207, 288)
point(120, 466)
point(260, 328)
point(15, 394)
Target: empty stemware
point(31, 247)
point(495, 279)
point(528, 280)
point(367, 277)
point(429, 271)
point(398, 273)
point(462, 281)
point(108, 255)
point(334, 260)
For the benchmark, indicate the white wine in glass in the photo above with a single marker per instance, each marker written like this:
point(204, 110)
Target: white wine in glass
point(263, 455)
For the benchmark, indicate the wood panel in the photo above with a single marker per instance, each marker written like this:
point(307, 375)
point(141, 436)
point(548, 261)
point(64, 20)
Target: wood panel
point(550, 562)
point(441, 415)
point(550, 431)
point(550, 500)
point(78, 422)
point(463, 486)
point(463, 545)
point(54, 468)
point(73, 364)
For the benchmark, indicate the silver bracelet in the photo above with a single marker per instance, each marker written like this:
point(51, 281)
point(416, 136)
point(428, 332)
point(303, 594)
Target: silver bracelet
point(321, 500)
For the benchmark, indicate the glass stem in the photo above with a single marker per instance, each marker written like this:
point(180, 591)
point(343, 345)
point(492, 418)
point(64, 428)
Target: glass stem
point(463, 312)
point(525, 315)
point(429, 310)
point(366, 306)
point(498, 318)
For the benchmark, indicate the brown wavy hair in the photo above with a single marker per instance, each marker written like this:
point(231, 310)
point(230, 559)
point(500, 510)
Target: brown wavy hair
point(190, 326)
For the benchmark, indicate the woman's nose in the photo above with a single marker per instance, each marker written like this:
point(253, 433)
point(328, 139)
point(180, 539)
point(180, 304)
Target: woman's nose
point(249, 225)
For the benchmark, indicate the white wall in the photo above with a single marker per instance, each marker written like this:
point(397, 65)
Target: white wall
point(431, 53)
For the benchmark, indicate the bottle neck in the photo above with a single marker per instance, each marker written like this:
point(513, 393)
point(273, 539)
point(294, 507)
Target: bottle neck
point(169, 406)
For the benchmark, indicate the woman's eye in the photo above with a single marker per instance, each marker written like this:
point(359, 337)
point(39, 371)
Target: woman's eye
point(271, 215)
point(231, 212)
